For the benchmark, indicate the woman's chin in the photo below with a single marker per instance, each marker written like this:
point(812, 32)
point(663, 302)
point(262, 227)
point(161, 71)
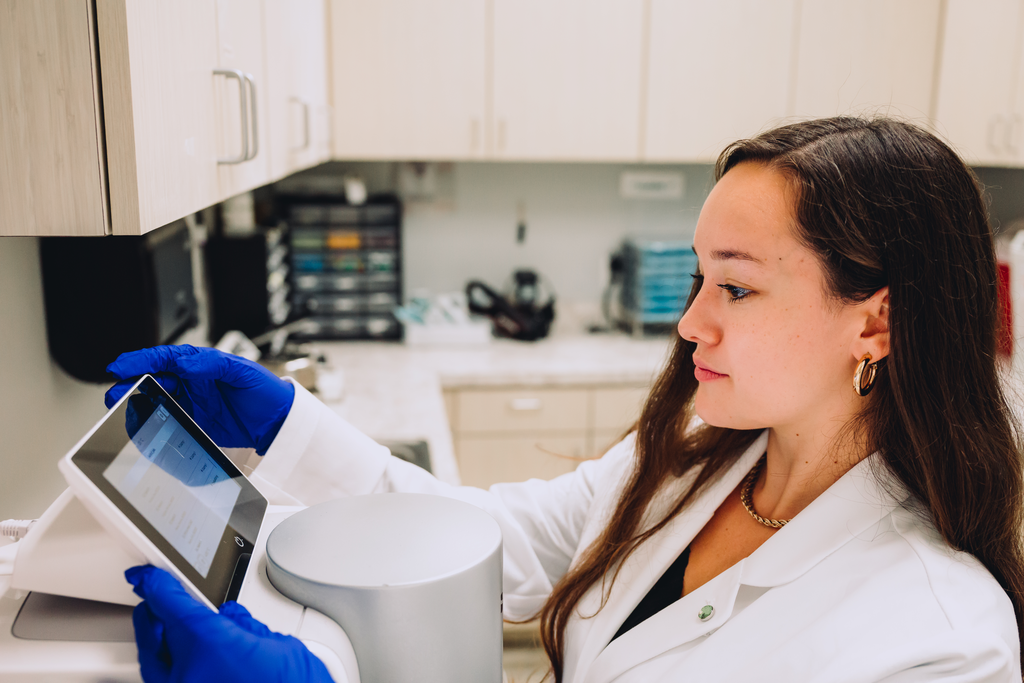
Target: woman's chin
point(717, 416)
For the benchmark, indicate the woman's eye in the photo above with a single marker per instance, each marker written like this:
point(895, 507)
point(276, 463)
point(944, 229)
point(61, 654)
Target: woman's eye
point(698, 277)
point(736, 293)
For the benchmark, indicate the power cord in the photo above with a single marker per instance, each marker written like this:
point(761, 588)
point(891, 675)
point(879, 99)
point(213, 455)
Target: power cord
point(16, 529)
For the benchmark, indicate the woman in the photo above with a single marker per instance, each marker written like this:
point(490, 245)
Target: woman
point(847, 507)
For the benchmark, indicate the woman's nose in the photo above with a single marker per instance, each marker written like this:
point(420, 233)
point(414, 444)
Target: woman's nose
point(696, 325)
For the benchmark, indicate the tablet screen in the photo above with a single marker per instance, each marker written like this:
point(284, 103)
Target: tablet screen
point(149, 472)
point(155, 464)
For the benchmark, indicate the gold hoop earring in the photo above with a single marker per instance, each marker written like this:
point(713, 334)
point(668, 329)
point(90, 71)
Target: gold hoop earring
point(861, 384)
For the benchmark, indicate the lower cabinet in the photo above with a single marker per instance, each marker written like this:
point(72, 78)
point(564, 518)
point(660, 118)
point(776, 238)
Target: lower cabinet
point(489, 460)
point(517, 433)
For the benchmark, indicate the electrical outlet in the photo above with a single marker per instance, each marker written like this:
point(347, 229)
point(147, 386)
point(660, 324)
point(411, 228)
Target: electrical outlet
point(651, 185)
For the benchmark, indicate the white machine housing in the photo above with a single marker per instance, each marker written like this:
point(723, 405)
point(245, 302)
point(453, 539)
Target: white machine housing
point(68, 553)
point(414, 579)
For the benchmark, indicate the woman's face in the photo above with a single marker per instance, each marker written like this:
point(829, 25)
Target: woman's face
point(772, 349)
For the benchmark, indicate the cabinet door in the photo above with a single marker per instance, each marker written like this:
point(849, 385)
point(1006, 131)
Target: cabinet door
point(240, 46)
point(157, 61)
point(1009, 131)
point(974, 92)
point(491, 460)
point(407, 79)
point(51, 168)
point(567, 79)
point(870, 56)
point(296, 58)
point(703, 91)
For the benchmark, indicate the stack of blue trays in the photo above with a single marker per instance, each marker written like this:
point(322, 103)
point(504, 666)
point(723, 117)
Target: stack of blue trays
point(657, 279)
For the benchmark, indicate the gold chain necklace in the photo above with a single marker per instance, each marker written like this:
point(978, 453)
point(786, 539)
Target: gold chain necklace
point(747, 496)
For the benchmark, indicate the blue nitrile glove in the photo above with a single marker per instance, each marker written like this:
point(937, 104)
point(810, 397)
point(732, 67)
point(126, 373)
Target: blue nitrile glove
point(240, 404)
point(180, 639)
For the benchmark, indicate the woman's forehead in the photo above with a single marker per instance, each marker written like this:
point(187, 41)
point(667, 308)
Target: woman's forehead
point(748, 217)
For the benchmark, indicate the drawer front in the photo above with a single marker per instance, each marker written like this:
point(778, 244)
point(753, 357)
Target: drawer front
point(484, 461)
point(528, 410)
point(615, 409)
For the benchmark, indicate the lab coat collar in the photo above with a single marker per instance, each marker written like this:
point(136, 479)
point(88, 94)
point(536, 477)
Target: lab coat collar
point(850, 508)
point(644, 567)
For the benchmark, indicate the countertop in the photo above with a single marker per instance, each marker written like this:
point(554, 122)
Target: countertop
point(394, 392)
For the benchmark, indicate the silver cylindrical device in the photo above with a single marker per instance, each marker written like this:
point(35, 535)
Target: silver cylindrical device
point(414, 580)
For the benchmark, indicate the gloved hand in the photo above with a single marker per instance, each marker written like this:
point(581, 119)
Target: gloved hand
point(180, 639)
point(240, 404)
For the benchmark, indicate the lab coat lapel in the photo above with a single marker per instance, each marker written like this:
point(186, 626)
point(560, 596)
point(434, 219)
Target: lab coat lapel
point(643, 569)
point(851, 508)
point(675, 625)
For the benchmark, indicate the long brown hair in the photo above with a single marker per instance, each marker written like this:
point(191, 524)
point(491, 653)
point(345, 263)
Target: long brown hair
point(881, 203)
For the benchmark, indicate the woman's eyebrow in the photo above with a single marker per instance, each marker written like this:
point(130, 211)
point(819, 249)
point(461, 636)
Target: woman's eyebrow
point(732, 254)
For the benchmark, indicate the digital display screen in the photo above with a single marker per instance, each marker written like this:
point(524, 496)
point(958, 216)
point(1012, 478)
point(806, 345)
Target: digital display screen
point(177, 486)
point(153, 462)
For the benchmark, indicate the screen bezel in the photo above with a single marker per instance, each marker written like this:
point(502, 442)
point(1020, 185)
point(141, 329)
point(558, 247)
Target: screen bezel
point(239, 537)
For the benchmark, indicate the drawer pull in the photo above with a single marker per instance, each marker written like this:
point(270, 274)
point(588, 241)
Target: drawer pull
point(525, 404)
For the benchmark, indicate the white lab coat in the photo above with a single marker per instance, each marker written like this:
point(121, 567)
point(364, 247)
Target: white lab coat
point(856, 588)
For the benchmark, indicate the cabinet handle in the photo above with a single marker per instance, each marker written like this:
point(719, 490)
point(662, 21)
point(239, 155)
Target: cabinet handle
point(501, 135)
point(524, 404)
point(474, 135)
point(255, 130)
point(305, 125)
point(243, 106)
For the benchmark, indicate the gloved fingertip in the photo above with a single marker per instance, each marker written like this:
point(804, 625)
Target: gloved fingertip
point(240, 616)
point(182, 365)
point(233, 609)
point(136, 576)
point(168, 381)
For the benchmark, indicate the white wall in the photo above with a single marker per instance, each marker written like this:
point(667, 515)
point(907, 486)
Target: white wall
point(574, 215)
point(43, 411)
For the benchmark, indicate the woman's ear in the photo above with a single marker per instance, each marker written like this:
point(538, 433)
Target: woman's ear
point(874, 336)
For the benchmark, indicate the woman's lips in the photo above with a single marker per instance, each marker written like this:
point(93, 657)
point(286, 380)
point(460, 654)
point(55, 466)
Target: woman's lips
point(705, 374)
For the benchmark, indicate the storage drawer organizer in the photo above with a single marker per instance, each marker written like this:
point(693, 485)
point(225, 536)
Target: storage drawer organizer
point(346, 268)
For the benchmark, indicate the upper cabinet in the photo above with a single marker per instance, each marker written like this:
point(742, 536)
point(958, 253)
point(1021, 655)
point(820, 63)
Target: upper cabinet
point(487, 79)
point(567, 79)
point(159, 110)
point(51, 144)
point(408, 79)
point(867, 57)
point(119, 117)
point(179, 120)
point(616, 80)
point(979, 105)
point(702, 92)
point(183, 100)
point(298, 126)
point(241, 93)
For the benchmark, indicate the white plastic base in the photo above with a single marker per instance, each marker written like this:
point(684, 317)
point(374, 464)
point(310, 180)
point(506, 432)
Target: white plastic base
point(68, 553)
point(72, 555)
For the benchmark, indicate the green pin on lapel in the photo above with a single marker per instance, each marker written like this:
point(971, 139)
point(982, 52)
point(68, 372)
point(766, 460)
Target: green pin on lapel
point(705, 612)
